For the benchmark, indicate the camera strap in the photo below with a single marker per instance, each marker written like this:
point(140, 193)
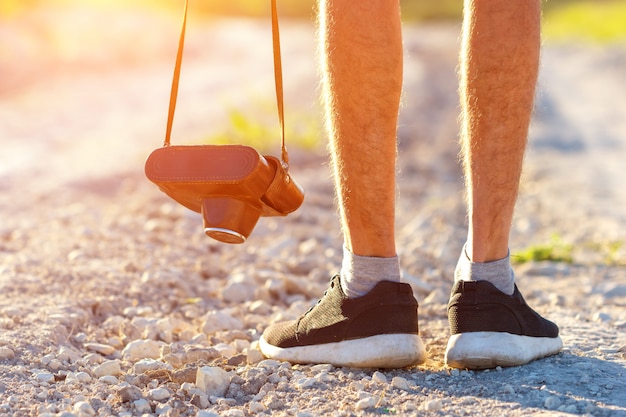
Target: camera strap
point(278, 78)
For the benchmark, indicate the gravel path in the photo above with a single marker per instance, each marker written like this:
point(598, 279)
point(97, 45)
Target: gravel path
point(113, 303)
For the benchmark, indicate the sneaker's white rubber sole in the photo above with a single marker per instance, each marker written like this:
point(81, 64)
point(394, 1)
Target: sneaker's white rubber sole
point(482, 350)
point(381, 351)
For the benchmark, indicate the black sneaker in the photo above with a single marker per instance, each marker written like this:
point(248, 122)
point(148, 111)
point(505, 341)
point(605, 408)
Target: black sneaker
point(378, 330)
point(490, 328)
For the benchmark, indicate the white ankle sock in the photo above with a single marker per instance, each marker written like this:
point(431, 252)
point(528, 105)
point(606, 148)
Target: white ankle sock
point(359, 274)
point(499, 272)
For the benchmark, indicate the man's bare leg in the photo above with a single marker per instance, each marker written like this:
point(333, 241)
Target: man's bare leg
point(490, 323)
point(499, 66)
point(362, 66)
point(361, 45)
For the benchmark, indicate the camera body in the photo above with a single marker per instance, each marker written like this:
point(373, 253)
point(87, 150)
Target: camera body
point(230, 185)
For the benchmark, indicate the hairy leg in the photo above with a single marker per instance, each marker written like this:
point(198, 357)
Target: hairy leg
point(499, 66)
point(361, 46)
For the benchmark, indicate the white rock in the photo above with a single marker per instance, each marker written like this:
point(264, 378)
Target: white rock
point(269, 363)
point(91, 359)
point(356, 386)
point(233, 413)
point(255, 407)
point(83, 409)
point(364, 403)
point(82, 377)
point(159, 394)
point(6, 353)
point(45, 377)
point(108, 368)
point(100, 348)
point(260, 307)
point(219, 320)
point(322, 367)
point(47, 359)
point(238, 291)
point(141, 349)
point(254, 356)
point(142, 406)
point(108, 379)
point(55, 364)
point(225, 350)
point(68, 354)
point(433, 405)
point(162, 409)
point(400, 383)
point(204, 413)
point(379, 377)
point(146, 365)
point(212, 380)
point(552, 403)
point(305, 383)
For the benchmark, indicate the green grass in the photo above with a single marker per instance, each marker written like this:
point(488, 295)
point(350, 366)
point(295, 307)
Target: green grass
point(606, 253)
point(598, 21)
point(555, 251)
point(258, 127)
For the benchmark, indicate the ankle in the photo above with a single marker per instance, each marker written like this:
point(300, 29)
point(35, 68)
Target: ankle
point(359, 274)
point(498, 272)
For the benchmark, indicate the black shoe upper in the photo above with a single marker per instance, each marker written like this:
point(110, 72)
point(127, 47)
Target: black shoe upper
point(389, 308)
point(478, 306)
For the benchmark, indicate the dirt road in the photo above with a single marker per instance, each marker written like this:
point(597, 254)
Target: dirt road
point(111, 298)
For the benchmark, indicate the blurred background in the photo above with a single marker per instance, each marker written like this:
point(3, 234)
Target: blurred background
point(78, 67)
point(41, 35)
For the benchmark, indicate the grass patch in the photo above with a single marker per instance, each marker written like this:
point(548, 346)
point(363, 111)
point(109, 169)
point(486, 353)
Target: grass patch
point(606, 253)
point(599, 21)
point(262, 132)
point(555, 251)
point(609, 252)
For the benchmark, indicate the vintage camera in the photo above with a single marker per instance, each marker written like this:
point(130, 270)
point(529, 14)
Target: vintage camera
point(230, 185)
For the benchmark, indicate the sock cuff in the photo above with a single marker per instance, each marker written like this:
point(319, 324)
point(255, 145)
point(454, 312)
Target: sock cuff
point(498, 272)
point(359, 274)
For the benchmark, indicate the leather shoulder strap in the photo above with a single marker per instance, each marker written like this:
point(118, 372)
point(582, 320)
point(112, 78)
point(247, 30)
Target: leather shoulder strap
point(278, 78)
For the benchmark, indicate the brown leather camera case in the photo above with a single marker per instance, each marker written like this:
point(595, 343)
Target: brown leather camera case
point(231, 185)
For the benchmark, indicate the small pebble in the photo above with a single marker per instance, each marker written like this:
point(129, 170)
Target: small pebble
point(400, 383)
point(83, 409)
point(141, 349)
point(45, 377)
point(219, 321)
point(146, 365)
point(108, 368)
point(255, 407)
point(213, 381)
point(552, 403)
point(205, 413)
point(100, 348)
point(253, 356)
point(159, 394)
point(433, 405)
point(364, 403)
point(142, 406)
point(379, 378)
point(305, 383)
point(108, 379)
